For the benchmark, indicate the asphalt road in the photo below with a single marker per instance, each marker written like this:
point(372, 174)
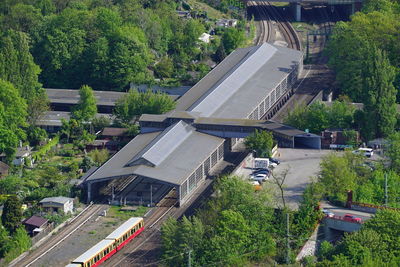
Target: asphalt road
point(340, 211)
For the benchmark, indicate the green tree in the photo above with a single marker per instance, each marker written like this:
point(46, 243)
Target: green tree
point(87, 107)
point(337, 175)
point(99, 156)
point(260, 141)
point(232, 39)
point(12, 118)
point(12, 214)
point(380, 105)
point(393, 151)
point(17, 66)
point(220, 54)
point(164, 68)
point(99, 123)
point(136, 103)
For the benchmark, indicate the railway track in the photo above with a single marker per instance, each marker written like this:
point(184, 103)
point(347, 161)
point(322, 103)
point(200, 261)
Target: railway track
point(55, 240)
point(269, 14)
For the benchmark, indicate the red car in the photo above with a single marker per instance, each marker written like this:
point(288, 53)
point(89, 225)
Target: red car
point(351, 218)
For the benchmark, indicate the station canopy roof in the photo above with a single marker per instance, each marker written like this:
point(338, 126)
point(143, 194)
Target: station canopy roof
point(169, 156)
point(240, 82)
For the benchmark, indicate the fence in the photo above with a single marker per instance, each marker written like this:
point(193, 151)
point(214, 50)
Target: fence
point(43, 233)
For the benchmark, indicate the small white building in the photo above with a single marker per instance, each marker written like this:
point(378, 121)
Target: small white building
point(226, 23)
point(205, 38)
point(58, 204)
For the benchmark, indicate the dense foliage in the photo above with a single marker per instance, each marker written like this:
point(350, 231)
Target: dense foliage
point(236, 227)
point(376, 244)
point(261, 142)
point(350, 171)
point(365, 56)
point(106, 44)
point(318, 116)
point(138, 103)
point(12, 119)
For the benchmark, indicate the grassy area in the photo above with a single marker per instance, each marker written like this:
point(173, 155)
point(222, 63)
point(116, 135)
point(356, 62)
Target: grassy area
point(115, 212)
point(212, 13)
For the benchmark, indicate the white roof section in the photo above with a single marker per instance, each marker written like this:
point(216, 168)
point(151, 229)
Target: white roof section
point(190, 149)
point(120, 231)
point(59, 200)
point(163, 145)
point(220, 94)
point(93, 251)
point(240, 82)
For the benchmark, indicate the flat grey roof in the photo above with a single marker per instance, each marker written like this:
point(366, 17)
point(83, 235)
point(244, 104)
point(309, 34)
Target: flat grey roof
point(71, 96)
point(171, 165)
point(239, 83)
point(60, 200)
point(53, 118)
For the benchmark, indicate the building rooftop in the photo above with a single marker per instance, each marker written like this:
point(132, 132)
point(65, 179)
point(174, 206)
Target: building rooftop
point(166, 156)
point(35, 221)
point(59, 200)
point(113, 131)
point(71, 96)
point(53, 118)
point(240, 82)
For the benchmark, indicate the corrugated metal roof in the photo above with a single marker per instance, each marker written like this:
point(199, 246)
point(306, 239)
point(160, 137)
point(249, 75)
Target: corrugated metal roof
point(234, 88)
point(173, 168)
point(120, 231)
point(71, 96)
point(246, 69)
point(164, 144)
point(93, 251)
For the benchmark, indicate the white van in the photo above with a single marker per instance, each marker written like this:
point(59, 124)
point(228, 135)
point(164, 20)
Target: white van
point(368, 152)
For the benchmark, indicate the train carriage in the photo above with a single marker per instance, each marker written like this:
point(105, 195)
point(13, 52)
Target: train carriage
point(97, 254)
point(110, 245)
point(126, 232)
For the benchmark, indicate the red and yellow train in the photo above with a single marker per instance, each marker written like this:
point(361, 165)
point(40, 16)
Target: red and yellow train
point(110, 245)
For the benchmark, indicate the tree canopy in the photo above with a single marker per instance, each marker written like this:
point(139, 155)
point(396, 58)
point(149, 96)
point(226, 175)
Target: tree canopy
point(12, 214)
point(137, 103)
point(12, 118)
point(87, 106)
point(260, 141)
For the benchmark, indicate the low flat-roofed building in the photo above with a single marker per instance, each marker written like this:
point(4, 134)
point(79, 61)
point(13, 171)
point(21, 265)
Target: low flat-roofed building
point(57, 204)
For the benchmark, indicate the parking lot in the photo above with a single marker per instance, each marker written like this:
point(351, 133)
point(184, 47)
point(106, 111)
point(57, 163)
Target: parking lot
point(302, 166)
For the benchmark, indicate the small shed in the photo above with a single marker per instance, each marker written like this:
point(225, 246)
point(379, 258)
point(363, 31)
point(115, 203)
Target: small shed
point(35, 224)
point(58, 204)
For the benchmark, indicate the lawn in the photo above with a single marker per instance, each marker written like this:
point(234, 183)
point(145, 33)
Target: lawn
point(115, 212)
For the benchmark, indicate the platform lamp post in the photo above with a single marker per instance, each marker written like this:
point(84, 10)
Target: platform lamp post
point(151, 195)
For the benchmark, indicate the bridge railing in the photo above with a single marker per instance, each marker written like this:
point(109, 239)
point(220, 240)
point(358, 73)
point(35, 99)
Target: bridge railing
point(341, 218)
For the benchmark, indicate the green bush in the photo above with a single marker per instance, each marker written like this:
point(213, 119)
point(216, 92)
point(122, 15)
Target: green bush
point(38, 155)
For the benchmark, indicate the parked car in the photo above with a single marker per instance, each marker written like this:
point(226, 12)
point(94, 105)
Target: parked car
point(272, 165)
point(328, 213)
point(274, 160)
point(259, 177)
point(267, 172)
point(351, 218)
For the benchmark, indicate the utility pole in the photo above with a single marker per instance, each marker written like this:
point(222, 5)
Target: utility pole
point(151, 195)
point(189, 263)
point(386, 190)
point(287, 239)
